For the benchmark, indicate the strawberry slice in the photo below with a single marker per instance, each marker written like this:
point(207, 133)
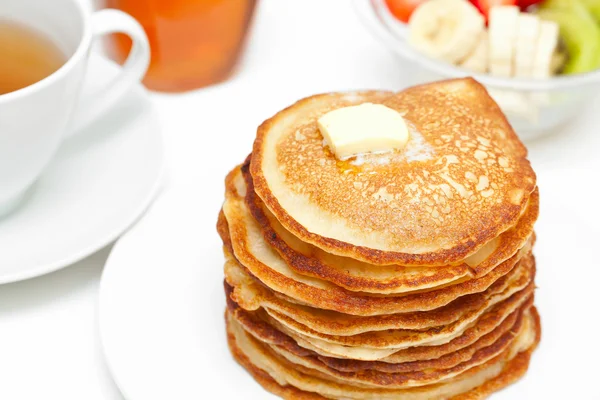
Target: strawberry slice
point(484, 6)
point(403, 9)
point(525, 4)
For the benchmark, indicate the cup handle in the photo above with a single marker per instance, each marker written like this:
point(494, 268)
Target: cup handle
point(135, 67)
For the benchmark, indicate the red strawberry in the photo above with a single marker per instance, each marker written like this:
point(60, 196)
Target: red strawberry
point(403, 9)
point(525, 4)
point(485, 5)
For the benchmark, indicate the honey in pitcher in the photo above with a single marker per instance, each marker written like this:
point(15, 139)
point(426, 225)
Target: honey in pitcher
point(194, 43)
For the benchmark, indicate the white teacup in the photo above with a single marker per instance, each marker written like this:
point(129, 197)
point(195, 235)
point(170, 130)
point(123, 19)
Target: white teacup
point(36, 119)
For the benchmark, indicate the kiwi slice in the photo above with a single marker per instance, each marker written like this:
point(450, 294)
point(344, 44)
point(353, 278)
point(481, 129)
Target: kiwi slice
point(579, 32)
point(559, 59)
point(593, 7)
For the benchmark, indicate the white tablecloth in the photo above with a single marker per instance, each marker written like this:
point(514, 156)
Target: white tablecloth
point(49, 346)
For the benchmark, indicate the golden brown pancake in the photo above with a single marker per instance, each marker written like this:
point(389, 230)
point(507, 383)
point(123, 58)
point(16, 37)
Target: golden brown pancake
point(257, 324)
point(412, 378)
point(251, 295)
point(404, 274)
point(513, 370)
point(355, 275)
point(373, 346)
point(398, 338)
point(451, 359)
point(487, 331)
point(242, 232)
point(255, 355)
point(462, 180)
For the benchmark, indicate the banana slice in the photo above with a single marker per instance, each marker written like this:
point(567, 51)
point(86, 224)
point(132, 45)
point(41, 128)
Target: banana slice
point(526, 44)
point(446, 29)
point(478, 60)
point(543, 65)
point(504, 23)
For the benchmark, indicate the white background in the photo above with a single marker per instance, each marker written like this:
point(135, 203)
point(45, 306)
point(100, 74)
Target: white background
point(49, 346)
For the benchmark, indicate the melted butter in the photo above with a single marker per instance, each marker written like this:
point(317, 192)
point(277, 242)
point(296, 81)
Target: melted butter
point(347, 167)
point(417, 149)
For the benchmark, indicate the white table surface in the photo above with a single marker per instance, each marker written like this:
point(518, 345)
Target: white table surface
point(49, 347)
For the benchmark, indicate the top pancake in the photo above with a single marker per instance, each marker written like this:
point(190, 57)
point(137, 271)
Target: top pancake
point(462, 180)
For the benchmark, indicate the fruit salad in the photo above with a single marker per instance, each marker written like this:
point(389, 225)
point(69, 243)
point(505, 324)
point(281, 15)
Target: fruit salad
point(506, 38)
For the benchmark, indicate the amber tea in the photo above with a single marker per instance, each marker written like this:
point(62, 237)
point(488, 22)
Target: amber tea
point(26, 56)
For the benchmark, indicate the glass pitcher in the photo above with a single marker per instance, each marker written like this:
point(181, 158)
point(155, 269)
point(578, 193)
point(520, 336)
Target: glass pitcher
point(194, 43)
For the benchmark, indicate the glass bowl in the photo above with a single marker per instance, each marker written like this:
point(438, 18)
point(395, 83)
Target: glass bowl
point(533, 106)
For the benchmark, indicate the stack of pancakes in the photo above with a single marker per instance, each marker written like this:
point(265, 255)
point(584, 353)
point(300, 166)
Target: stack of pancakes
point(402, 275)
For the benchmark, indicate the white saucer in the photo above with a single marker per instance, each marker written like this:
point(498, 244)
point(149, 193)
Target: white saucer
point(98, 184)
point(161, 309)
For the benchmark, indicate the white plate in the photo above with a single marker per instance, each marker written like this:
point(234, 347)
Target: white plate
point(161, 310)
point(98, 184)
point(161, 302)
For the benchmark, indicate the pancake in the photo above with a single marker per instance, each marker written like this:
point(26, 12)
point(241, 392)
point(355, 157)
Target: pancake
point(397, 380)
point(251, 295)
point(243, 234)
point(488, 323)
point(449, 360)
point(295, 382)
point(256, 324)
point(462, 180)
point(391, 338)
point(403, 274)
point(487, 330)
point(372, 346)
point(355, 275)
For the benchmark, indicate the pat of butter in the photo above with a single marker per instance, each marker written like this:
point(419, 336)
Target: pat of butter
point(366, 128)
